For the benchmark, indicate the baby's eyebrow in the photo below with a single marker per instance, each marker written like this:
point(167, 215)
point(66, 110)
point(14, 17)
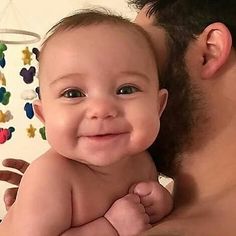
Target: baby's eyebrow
point(67, 77)
point(133, 73)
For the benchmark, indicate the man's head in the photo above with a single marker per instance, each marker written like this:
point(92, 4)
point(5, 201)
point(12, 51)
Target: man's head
point(198, 38)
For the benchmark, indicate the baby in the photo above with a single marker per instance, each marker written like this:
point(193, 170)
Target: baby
point(101, 105)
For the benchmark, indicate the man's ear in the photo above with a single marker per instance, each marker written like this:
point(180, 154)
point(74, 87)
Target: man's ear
point(39, 110)
point(163, 96)
point(217, 47)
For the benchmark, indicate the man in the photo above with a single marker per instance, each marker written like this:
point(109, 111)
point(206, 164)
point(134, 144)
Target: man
point(196, 40)
point(199, 69)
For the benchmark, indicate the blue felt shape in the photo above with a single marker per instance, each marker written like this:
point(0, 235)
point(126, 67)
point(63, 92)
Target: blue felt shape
point(29, 110)
point(28, 75)
point(3, 62)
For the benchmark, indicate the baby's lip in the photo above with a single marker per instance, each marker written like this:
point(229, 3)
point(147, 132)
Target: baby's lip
point(102, 138)
point(103, 134)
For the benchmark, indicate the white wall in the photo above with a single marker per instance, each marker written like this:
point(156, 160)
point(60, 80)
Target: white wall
point(37, 16)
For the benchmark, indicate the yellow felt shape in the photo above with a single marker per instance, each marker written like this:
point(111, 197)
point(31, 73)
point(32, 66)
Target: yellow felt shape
point(31, 131)
point(27, 56)
point(2, 79)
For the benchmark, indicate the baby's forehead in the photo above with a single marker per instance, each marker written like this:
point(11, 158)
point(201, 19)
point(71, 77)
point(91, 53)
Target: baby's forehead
point(137, 40)
point(129, 29)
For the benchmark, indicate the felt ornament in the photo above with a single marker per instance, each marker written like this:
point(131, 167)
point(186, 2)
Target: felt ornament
point(36, 52)
point(3, 62)
point(28, 94)
point(3, 47)
point(42, 133)
point(2, 79)
point(5, 117)
point(29, 111)
point(26, 56)
point(37, 90)
point(31, 131)
point(4, 96)
point(28, 74)
point(6, 134)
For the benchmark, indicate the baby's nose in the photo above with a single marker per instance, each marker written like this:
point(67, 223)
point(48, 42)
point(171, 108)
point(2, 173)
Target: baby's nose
point(102, 109)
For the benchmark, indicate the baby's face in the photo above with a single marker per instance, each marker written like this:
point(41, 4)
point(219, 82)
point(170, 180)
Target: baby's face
point(100, 99)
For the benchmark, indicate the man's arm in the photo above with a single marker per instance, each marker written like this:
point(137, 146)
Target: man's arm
point(13, 178)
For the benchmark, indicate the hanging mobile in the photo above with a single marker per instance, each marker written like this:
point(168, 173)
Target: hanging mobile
point(18, 35)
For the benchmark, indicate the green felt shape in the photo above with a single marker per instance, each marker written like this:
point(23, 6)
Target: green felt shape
point(3, 47)
point(6, 98)
point(43, 133)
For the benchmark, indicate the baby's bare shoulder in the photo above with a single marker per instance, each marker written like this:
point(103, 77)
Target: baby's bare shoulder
point(51, 166)
point(51, 160)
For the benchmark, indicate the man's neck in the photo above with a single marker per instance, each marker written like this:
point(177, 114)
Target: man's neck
point(207, 172)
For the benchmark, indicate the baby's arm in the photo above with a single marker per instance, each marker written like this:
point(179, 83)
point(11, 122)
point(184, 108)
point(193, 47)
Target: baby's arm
point(98, 227)
point(155, 198)
point(43, 204)
point(126, 217)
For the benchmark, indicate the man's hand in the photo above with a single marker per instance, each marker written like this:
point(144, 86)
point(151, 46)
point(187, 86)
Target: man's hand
point(13, 178)
point(127, 215)
point(156, 200)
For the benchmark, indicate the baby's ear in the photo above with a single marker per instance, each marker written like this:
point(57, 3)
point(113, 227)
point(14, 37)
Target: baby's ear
point(162, 96)
point(217, 44)
point(39, 110)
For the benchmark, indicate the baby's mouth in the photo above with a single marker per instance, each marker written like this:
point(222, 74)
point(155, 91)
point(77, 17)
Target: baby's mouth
point(104, 136)
point(108, 135)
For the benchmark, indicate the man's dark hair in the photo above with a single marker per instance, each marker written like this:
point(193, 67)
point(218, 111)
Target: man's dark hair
point(186, 19)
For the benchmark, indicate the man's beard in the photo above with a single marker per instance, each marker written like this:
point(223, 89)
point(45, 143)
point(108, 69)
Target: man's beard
point(179, 119)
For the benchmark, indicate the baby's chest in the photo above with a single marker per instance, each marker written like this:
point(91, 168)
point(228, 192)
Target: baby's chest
point(92, 201)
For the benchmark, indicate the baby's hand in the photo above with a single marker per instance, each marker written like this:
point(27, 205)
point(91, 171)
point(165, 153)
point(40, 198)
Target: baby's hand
point(156, 200)
point(127, 215)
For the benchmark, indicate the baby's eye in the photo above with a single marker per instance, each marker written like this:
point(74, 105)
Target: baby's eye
point(73, 93)
point(127, 89)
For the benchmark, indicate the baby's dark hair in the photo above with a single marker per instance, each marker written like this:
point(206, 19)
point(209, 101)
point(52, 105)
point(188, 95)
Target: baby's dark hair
point(88, 17)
